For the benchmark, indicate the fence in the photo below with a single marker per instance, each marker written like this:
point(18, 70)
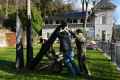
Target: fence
point(111, 50)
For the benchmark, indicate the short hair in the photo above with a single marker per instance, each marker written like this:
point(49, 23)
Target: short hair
point(79, 31)
point(63, 24)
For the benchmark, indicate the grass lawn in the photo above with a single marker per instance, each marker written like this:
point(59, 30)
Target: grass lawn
point(100, 67)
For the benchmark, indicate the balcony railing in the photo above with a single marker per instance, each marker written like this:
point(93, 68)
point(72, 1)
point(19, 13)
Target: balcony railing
point(70, 25)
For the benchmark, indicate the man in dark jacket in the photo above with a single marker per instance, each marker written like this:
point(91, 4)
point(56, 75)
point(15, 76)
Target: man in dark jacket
point(65, 47)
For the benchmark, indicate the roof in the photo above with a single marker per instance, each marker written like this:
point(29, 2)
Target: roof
point(104, 4)
point(73, 14)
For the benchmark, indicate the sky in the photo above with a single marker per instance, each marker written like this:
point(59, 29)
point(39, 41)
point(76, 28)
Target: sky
point(116, 14)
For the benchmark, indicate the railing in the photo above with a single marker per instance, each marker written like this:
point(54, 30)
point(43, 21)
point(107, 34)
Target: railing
point(70, 25)
point(111, 50)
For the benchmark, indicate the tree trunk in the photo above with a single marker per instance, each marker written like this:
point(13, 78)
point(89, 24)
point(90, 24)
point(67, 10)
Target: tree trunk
point(85, 4)
point(6, 10)
point(45, 47)
point(29, 35)
point(19, 46)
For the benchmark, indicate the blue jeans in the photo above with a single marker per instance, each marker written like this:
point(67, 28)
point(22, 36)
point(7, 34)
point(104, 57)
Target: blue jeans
point(69, 62)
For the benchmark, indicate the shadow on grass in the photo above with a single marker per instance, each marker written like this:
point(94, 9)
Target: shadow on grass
point(98, 59)
point(99, 66)
point(8, 68)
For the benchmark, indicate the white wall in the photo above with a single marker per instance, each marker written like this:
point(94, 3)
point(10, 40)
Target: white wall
point(50, 31)
point(3, 42)
point(45, 31)
point(99, 27)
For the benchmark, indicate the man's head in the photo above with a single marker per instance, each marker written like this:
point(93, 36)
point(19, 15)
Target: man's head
point(79, 31)
point(63, 24)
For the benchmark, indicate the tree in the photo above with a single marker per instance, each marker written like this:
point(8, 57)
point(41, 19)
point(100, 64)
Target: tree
point(51, 7)
point(37, 21)
point(19, 45)
point(6, 8)
point(62, 8)
point(85, 9)
point(29, 35)
point(85, 4)
point(46, 46)
point(42, 4)
point(29, 20)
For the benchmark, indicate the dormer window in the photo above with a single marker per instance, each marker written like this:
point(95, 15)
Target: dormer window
point(102, 19)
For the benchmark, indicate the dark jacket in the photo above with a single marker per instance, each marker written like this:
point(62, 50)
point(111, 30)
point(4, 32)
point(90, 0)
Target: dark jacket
point(80, 43)
point(65, 40)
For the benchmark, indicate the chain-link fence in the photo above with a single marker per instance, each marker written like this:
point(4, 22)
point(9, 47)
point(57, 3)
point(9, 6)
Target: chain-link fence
point(111, 50)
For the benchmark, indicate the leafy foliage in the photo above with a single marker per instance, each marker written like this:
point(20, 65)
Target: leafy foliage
point(52, 7)
point(37, 21)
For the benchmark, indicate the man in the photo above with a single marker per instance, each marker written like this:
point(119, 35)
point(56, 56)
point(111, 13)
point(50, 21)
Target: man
point(66, 48)
point(81, 50)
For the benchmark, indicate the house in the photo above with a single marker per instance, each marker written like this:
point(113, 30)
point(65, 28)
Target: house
point(98, 25)
point(7, 38)
point(116, 33)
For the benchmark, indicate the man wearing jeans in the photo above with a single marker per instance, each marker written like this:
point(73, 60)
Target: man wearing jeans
point(65, 47)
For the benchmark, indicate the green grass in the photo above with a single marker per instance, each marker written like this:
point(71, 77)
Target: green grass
point(100, 67)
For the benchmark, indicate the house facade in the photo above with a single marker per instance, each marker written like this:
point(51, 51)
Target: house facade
point(98, 27)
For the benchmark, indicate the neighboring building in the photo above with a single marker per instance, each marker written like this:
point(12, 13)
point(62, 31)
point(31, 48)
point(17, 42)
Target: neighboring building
point(7, 38)
point(116, 33)
point(98, 25)
point(104, 19)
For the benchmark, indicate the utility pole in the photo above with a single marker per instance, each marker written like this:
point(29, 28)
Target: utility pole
point(29, 35)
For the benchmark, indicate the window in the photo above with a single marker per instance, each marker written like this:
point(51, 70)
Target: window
point(88, 20)
point(51, 22)
point(57, 22)
point(82, 20)
point(69, 20)
point(103, 35)
point(46, 21)
point(103, 19)
point(74, 20)
point(48, 34)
